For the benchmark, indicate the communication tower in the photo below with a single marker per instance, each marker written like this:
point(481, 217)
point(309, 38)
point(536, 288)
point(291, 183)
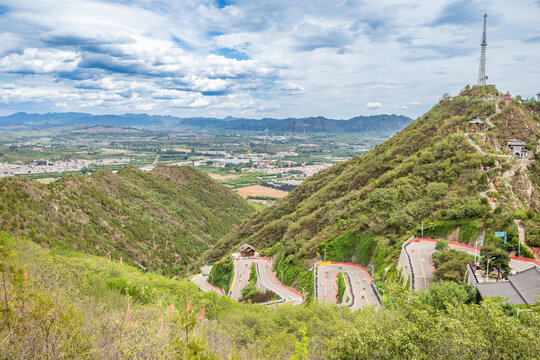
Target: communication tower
point(482, 77)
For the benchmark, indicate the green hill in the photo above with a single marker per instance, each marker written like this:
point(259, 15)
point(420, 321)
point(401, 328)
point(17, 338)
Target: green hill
point(161, 220)
point(361, 209)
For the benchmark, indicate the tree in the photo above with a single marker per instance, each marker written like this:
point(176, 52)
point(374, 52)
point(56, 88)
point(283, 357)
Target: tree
point(441, 245)
point(436, 190)
point(447, 293)
point(301, 346)
point(450, 264)
point(500, 260)
point(187, 340)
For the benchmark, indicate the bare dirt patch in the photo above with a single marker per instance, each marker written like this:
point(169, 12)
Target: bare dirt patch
point(258, 190)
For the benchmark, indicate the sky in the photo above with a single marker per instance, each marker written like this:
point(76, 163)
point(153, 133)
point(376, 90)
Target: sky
point(251, 58)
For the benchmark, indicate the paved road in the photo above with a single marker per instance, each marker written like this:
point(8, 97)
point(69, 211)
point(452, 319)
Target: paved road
point(201, 280)
point(242, 269)
point(327, 288)
point(420, 251)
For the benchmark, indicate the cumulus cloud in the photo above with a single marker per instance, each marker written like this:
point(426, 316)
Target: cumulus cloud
point(39, 61)
point(374, 105)
point(252, 58)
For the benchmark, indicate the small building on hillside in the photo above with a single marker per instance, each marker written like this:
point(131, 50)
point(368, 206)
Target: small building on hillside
point(477, 125)
point(521, 288)
point(518, 148)
point(246, 250)
point(538, 96)
point(507, 97)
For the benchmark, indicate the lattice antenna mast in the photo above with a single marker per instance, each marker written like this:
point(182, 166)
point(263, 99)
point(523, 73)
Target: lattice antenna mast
point(482, 77)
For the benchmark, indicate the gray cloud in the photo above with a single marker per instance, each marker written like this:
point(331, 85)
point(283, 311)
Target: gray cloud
point(461, 12)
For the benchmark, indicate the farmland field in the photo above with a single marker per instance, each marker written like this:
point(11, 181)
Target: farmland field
point(259, 190)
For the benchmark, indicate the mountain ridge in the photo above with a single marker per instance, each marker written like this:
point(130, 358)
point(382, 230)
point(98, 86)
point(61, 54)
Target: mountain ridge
point(383, 122)
point(160, 220)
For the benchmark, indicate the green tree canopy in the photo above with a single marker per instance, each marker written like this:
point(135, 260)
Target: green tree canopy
point(450, 264)
point(500, 260)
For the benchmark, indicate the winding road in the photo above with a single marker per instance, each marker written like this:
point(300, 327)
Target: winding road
point(242, 268)
point(201, 280)
point(265, 276)
point(361, 290)
point(421, 250)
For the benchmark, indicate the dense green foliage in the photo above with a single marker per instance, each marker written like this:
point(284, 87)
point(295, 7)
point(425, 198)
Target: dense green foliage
point(450, 265)
point(251, 288)
point(350, 246)
point(341, 287)
point(441, 244)
point(161, 220)
point(498, 260)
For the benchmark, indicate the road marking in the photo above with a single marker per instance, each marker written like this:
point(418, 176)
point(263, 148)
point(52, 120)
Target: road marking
point(422, 265)
point(234, 277)
point(325, 287)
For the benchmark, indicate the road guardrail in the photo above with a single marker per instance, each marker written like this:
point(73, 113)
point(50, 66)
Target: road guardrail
point(409, 264)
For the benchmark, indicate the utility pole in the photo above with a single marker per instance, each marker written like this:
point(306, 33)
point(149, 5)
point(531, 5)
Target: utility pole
point(422, 229)
point(325, 253)
point(482, 77)
point(487, 268)
point(475, 249)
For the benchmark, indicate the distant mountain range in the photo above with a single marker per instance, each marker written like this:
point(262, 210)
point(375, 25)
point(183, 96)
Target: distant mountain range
point(310, 124)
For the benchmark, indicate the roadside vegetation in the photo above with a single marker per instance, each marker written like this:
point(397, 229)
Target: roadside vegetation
point(72, 305)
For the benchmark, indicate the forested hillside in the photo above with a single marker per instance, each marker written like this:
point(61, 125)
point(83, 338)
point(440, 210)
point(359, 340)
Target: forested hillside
point(161, 220)
point(361, 209)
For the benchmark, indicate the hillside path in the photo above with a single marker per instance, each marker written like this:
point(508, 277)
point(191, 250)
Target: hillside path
point(522, 240)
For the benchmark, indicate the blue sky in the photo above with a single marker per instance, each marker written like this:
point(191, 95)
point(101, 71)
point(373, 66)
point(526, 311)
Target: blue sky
point(252, 58)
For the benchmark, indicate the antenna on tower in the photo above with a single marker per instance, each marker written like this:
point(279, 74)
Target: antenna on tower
point(482, 77)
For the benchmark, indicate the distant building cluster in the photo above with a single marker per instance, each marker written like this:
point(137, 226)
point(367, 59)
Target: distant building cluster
point(46, 166)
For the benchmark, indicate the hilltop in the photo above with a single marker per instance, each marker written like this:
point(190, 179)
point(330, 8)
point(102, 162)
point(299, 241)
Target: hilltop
point(361, 210)
point(161, 220)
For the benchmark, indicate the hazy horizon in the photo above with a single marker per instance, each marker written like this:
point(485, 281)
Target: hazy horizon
point(258, 59)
